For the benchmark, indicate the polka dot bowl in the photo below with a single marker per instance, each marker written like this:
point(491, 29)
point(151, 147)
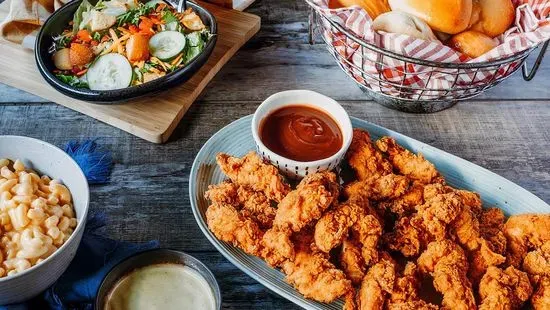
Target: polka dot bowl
point(299, 169)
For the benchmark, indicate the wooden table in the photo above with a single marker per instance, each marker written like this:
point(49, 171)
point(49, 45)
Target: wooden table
point(506, 130)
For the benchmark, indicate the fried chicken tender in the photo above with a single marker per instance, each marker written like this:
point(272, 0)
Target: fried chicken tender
point(492, 244)
point(465, 229)
point(349, 301)
point(434, 189)
point(525, 232)
point(450, 214)
point(277, 246)
point(368, 231)
point(412, 234)
point(491, 226)
point(405, 204)
point(389, 186)
point(365, 159)
point(404, 295)
point(481, 259)
point(446, 214)
point(412, 305)
point(447, 264)
point(537, 265)
point(377, 284)
point(504, 289)
point(250, 203)
point(407, 237)
point(312, 274)
point(307, 203)
point(471, 200)
point(541, 298)
point(355, 214)
point(225, 192)
point(252, 172)
point(384, 288)
point(333, 226)
point(351, 261)
point(229, 225)
point(407, 163)
point(438, 212)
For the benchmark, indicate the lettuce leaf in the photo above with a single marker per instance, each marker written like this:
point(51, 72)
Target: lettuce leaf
point(72, 80)
point(85, 6)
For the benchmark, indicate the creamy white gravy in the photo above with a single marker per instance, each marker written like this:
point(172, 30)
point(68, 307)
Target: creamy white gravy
point(162, 286)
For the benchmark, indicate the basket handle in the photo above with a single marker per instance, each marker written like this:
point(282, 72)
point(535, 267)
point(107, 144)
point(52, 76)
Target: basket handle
point(529, 75)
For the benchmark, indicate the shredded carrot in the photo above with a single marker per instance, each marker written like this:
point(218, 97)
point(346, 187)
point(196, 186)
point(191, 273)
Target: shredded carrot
point(146, 25)
point(159, 62)
point(180, 56)
point(161, 7)
point(156, 20)
point(113, 34)
point(123, 30)
point(133, 29)
point(80, 73)
point(117, 44)
point(179, 62)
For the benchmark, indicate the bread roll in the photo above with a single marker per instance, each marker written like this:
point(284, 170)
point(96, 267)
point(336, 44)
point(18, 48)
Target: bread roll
point(495, 16)
point(373, 7)
point(472, 43)
point(401, 22)
point(476, 13)
point(448, 16)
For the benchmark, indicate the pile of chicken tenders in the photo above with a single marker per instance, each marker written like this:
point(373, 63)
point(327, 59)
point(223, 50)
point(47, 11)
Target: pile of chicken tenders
point(384, 238)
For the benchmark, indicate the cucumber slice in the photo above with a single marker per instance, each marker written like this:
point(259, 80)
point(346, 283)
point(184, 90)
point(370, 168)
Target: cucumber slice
point(166, 45)
point(110, 71)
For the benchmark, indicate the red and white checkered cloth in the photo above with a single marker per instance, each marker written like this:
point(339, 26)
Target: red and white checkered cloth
point(409, 80)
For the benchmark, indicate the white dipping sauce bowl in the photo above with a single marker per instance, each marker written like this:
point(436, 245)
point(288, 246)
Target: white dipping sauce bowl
point(46, 159)
point(298, 169)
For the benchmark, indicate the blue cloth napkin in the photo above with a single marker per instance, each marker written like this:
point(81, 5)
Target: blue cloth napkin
point(78, 286)
point(95, 162)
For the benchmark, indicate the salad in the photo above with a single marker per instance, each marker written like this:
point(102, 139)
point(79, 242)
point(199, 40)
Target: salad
point(120, 43)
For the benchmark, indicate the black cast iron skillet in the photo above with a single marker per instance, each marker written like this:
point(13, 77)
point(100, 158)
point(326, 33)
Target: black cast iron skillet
point(59, 20)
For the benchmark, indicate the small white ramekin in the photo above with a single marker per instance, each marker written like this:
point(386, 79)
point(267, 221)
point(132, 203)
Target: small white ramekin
point(298, 169)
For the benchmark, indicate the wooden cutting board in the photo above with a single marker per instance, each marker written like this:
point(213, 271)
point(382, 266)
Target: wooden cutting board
point(151, 118)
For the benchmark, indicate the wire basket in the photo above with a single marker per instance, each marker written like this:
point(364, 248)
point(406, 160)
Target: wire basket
point(409, 84)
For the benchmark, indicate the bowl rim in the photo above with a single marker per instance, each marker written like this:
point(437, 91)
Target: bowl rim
point(122, 94)
point(344, 124)
point(80, 224)
point(103, 287)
